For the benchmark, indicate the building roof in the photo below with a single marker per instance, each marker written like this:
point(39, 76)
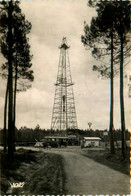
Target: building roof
point(92, 138)
point(56, 137)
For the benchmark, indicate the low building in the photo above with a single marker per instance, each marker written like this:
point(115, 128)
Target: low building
point(90, 142)
point(55, 141)
point(73, 140)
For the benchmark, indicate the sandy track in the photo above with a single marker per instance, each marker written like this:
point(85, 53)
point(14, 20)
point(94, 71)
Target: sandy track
point(85, 176)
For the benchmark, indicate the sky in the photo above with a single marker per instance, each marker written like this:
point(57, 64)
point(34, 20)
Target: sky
point(51, 21)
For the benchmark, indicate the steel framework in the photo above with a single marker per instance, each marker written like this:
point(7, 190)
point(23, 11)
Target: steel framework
point(64, 113)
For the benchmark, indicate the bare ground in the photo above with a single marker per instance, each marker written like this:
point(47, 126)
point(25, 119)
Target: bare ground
point(86, 176)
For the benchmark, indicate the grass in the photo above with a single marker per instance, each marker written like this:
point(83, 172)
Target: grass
point(43, 173)
point(113, 161)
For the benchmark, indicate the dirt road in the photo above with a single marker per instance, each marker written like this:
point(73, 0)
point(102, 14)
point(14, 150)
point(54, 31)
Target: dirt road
point(85, 176)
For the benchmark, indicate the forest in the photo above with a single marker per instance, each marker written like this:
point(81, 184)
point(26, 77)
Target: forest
point(27, 136)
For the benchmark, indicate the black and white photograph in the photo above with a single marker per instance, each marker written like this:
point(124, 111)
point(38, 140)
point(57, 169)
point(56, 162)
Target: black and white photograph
point(65, 97)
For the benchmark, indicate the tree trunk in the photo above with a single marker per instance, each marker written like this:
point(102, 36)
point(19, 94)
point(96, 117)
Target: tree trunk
point(14, 111)
point(111, 128)
point(10, 80)
point(122, 112)
point(122, 99)
point(5, 118)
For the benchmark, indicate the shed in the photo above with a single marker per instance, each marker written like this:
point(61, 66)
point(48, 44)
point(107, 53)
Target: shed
point(91, 142)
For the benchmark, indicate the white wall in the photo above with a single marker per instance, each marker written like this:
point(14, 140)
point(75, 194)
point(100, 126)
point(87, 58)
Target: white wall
point(93, 143)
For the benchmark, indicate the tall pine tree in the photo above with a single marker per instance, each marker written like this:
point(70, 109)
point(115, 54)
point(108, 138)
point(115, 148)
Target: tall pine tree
point(112, 18)
point(21, 58)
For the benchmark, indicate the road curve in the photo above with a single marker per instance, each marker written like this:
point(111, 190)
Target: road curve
point(85, 176)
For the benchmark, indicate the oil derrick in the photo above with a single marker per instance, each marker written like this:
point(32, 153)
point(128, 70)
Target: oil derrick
point(64, 113)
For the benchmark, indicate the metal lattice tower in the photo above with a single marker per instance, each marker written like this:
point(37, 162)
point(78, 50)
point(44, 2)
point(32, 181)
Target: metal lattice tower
point(64, 113)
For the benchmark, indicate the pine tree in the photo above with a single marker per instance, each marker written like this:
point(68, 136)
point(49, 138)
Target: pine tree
point(107, 24)
point(101, 41)
point(21, 58)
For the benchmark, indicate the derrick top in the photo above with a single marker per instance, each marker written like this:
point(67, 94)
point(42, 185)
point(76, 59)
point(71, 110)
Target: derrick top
point(64, 44)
